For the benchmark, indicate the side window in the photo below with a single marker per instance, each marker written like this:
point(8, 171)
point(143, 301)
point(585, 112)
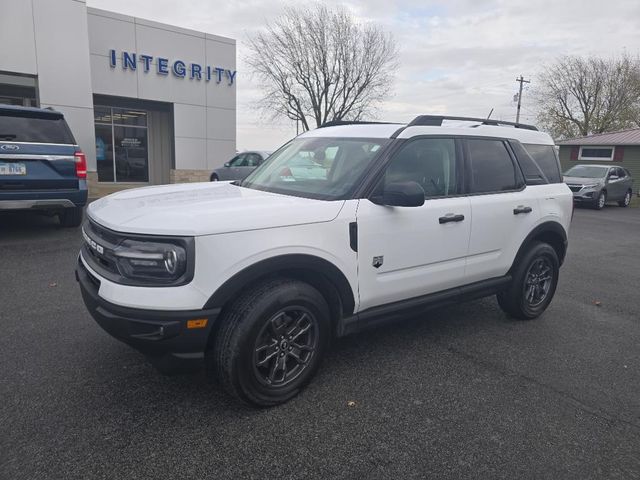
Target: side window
point(237, 160)
point(431, 162)
point(545, 157)
point(492, 169)
point(253, 160)
point(621, 173)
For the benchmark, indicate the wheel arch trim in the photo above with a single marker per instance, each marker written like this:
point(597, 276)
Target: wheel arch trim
point(286, 263)
point(541, 231)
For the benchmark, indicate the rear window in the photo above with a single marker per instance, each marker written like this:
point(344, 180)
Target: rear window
point(545, 157)
point(23, 128)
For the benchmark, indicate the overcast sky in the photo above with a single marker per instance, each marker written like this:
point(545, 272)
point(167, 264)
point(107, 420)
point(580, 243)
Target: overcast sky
point(459, 57)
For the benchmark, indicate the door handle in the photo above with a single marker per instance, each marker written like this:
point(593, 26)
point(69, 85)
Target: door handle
point(451, 218)
point(520, 209)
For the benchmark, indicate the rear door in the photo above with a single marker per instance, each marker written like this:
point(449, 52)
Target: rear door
point(504, 210)
point(619, 186)
point(628, 181)
point(36, 151)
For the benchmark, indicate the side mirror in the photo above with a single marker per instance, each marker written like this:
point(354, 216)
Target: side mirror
point(227, 164)
point(401, 194)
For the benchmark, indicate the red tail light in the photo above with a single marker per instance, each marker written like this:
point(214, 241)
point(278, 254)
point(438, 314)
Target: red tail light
point(81, 164)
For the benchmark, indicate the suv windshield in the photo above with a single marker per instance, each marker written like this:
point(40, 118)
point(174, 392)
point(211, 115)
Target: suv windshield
point(322, 168)
point(586, 171)
point(32, 128)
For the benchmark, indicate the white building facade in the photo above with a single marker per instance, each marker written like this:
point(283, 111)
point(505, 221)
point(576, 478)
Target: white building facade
point(148, 103)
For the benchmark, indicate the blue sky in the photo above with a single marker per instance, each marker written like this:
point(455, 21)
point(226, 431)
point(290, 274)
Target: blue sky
point(459, 57)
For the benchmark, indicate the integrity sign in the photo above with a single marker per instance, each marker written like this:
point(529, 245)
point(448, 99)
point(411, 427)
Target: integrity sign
point(178, 68)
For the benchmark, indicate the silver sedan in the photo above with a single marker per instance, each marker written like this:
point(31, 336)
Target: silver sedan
point(239, 166)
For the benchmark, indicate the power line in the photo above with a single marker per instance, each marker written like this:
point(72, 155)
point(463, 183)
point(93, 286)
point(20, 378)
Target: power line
point(521, 80)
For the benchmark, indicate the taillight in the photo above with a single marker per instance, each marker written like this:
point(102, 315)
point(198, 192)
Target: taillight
point(81, 164)
point(286, 172)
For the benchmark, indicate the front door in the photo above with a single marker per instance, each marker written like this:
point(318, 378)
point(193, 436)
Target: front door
point(406, 252)
point(615, 186)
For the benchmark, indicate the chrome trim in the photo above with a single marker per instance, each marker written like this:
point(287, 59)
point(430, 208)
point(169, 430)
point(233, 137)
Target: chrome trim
point(30, 156)
point(39, 143)
point(27, 204)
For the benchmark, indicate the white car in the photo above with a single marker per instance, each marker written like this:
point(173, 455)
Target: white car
point(255, 278)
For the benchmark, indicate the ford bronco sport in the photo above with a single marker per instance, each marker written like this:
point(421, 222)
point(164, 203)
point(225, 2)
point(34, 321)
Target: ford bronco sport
point(254, 278)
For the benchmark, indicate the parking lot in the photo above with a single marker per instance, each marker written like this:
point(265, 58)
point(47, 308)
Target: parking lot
point(461, 392)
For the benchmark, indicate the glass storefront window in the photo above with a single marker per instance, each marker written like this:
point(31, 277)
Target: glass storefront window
point(104, 152)
point(131, 154)
point(121, 144)
point(123, 116)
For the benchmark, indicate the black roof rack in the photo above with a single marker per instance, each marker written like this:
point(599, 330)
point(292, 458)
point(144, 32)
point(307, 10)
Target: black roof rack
point(337, 123)
point(436, 121)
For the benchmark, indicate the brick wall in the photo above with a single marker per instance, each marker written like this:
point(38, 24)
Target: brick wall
point(186, 176)
point(97, 189)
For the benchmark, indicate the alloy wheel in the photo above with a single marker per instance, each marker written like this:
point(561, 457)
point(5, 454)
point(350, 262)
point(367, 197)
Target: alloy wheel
point(601, 200)
point(538, 281)
point(285, 346)
point(627, 199)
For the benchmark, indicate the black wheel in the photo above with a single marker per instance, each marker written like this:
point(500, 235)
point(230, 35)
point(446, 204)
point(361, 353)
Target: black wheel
point(626, 200)
point(214, 177)
point(534, 283)
point(271, 342)
point(600, 201)
point(71, 217)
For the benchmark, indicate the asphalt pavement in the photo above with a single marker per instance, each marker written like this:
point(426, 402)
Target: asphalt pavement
point(461, 392)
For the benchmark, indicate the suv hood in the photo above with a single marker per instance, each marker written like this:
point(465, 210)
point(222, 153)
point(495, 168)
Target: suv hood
point(582, 180)
point(206, 209)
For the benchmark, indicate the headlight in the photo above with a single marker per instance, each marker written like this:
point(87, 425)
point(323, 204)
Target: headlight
point(146, 260)
point(591, 185)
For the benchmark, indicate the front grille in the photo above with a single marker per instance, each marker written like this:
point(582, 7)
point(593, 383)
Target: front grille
point(575, 188)
point(98, 247)
point(94, 281)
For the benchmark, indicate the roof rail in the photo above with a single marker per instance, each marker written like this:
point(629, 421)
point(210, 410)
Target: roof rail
point(336, 123)
point(436, 121)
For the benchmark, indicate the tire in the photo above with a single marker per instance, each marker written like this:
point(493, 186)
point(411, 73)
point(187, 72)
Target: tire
point(516, 301)
point(214, 177)
point(278, 319)
point(626, 200)
point(71, 217)
point(600, 201)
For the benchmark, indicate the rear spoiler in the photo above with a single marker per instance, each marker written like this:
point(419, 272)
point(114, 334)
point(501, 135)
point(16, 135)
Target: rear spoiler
point(11, 111)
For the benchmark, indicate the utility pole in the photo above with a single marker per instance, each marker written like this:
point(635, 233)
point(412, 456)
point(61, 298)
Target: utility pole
point(521, 80)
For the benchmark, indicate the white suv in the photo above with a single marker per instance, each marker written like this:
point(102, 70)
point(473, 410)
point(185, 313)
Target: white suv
point(344, 227)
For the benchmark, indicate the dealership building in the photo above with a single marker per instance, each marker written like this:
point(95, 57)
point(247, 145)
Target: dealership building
point(148, 103)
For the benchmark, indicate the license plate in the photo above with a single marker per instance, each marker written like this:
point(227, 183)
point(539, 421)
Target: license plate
point(13, 169)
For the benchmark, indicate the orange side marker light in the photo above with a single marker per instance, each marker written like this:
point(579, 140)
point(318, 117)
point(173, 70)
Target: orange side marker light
point(197, 323)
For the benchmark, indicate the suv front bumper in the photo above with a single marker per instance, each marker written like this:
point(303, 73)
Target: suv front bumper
point(161, 335)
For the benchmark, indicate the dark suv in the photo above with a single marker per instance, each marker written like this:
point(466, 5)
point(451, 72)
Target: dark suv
point(41, 167)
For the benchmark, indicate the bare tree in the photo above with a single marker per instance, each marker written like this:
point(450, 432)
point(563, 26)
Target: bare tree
point(580, 96)
point(318, 65)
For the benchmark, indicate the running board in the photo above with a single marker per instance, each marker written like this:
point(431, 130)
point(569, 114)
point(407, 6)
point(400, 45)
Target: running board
point(390, 312)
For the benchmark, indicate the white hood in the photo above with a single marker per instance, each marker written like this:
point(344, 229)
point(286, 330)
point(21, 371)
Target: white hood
point(205, 209)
